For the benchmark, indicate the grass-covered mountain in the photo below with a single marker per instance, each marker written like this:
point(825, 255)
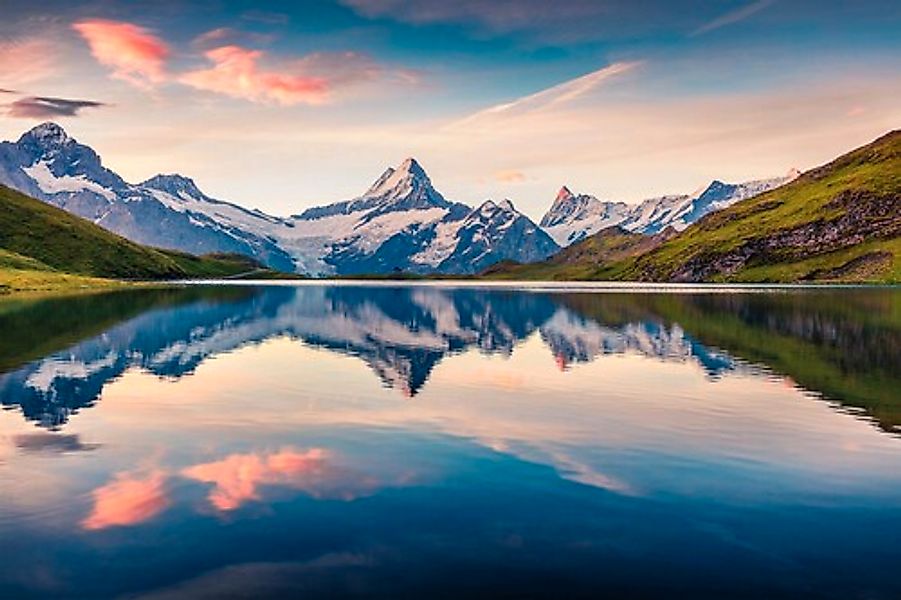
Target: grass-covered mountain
point(579, 261)
point(838, 222)
point(42, 243)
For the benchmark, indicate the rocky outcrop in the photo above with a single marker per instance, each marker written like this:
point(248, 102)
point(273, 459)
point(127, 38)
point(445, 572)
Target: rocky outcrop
point(861, 215)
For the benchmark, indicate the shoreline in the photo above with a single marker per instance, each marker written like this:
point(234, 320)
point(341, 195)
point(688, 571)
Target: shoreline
point(16, 284)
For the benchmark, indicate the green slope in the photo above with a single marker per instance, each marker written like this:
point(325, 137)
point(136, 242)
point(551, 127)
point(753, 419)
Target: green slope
point(838, 223)
point(601, 256)
point(42, 242)
point(67, 243)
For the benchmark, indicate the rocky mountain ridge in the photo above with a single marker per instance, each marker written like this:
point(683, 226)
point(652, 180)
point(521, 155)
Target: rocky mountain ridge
point(401, 223)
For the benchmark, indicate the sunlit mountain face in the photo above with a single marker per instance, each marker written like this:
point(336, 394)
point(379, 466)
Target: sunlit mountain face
point(285, 107)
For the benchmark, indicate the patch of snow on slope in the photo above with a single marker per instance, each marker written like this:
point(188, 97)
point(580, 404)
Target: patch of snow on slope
point(442, 246)
point(370, 235)
point(51, 184)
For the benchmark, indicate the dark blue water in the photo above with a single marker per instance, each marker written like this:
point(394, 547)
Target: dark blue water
point(416, 441)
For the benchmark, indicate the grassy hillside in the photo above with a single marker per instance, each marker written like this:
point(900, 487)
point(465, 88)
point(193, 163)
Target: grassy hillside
point(66, 243)
point(600, 256)
point(838, 223)
point(43, 247)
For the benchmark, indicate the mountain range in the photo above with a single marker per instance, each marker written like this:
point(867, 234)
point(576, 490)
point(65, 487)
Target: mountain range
point(401, 223)
point(840, 222)
point(573, 217)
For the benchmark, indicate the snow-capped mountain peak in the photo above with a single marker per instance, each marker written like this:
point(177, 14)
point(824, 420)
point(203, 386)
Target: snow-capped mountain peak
point(49, 143)
point(398, 189)
point(563, 195)
point(400, 222)
point(46, 135)
point(177, 185)
point(412, 167)
point(488, 206)
point(568, 206)
point(406, 177)
point(47, 161)
point(407, 184)
point(507, 204)
point(503, 209)
point(574, 217)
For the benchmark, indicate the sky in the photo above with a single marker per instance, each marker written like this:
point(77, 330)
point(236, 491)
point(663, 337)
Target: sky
point(281, 106)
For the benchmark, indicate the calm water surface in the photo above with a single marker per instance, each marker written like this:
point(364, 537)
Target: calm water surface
point(426, 441)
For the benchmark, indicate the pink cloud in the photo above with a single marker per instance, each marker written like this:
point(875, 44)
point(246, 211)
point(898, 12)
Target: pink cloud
point(228, 36)
point(24, 61)
point(238, 477)
point(127, 500)
point(236, 72)
point(133, 53)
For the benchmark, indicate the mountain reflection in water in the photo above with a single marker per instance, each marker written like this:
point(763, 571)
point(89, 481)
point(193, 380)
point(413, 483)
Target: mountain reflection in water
point(844, 345)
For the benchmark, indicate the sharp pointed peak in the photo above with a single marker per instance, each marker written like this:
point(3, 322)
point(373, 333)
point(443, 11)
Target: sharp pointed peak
point(564, 193)
point(507, 204)
point(713, 185)
point(410, 167)
point(410, 164)
point(409, 172)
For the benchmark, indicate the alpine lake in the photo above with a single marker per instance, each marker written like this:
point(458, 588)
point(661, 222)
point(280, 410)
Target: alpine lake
point(452, 440)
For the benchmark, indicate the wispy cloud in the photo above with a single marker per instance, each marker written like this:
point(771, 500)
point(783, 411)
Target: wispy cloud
point(24, 61)
point(739, 14)
point(557, 95)
point(133, 53)
point(41, 107)
point(253, 75)
point(267, 17)
point(229, 36)
point(234, 69)
point(539, 19)
point(498, 15)
point(236, 72)
point(509, 176)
